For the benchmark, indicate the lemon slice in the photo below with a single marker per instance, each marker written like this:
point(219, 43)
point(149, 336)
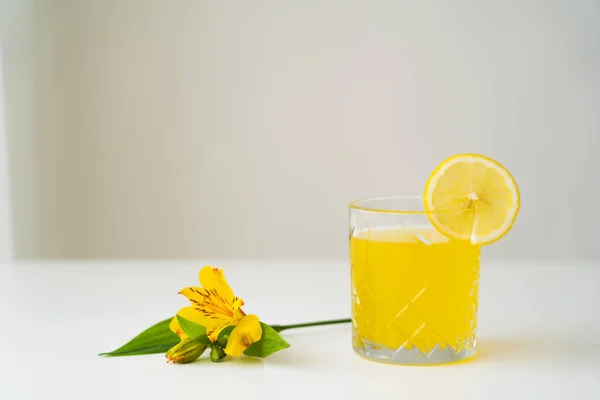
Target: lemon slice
point(472, 197)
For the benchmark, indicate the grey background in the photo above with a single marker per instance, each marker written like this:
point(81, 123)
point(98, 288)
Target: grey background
point(242, 129)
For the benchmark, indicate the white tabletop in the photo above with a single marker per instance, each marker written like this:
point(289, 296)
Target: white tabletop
point(539, 335)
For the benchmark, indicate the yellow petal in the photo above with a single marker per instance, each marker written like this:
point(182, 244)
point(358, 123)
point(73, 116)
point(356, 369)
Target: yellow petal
point(210, 303)
point(193, 293)
point(213, 278)
point(190, 314)
point(243, 335)
point(176, 328)
point(213, 323)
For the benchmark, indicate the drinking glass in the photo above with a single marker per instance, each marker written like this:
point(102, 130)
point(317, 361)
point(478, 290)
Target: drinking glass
point(414, 291)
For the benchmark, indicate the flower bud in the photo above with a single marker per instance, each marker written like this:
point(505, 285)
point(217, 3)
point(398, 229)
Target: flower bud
point(217, 353)
point(186, 351)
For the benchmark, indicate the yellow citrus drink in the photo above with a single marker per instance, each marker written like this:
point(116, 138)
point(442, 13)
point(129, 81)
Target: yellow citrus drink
point(413, 290)
point(415, 262)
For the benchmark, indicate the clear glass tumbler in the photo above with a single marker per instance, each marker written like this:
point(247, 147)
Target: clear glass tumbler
point(414, 291)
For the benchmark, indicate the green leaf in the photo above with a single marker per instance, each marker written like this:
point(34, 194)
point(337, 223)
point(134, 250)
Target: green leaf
point(156, 339)
point(269, 343)
point(194, 330)
point(224, 335)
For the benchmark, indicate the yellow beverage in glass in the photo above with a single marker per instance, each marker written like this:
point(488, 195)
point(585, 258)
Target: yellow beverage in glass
point(414, 291)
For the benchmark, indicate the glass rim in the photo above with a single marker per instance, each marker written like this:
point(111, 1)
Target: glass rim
point(355, 205)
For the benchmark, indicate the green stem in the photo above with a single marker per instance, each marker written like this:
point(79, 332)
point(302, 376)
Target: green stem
point(279, 328)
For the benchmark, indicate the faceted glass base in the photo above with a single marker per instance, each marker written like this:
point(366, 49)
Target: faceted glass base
point(414, 356)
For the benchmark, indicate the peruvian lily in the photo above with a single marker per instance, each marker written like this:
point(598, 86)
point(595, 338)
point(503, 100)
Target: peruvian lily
point(215, 307)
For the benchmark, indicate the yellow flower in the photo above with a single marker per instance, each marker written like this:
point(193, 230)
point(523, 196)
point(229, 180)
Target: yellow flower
point(215, 307)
